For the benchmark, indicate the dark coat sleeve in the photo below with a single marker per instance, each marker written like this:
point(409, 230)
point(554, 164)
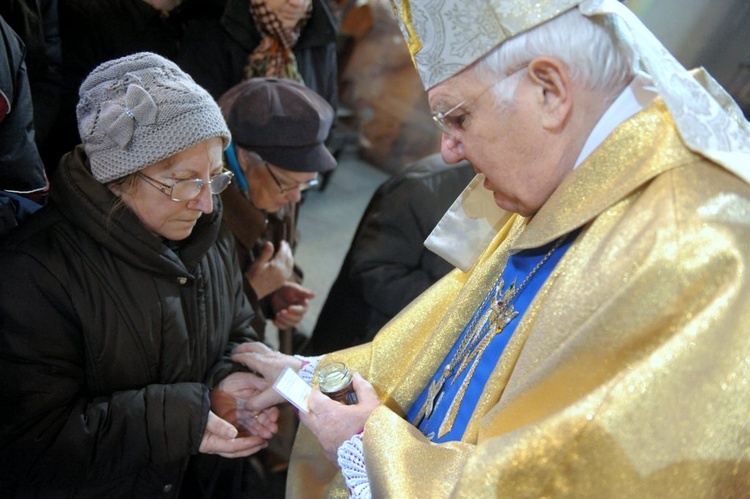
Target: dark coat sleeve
point(21, 168)
point(390, 264)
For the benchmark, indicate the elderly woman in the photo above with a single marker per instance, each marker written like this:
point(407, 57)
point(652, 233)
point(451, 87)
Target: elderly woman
point(120, 301)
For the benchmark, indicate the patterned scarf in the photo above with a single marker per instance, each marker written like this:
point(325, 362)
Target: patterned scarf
point(273, 57)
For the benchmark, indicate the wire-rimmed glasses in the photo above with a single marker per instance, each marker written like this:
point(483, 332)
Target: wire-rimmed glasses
point(453, 125)
point(185, 190)
point(313, 182)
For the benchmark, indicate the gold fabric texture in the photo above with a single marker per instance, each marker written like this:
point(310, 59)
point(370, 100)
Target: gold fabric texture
point(629, 374)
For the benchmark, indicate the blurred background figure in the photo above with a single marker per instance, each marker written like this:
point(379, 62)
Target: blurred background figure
point(23, 183)
point(293, 39)
point(387, 264)
point(290, 39)
point(93, 31)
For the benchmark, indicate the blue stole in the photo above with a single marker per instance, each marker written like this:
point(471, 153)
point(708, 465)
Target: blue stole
point(519, 266)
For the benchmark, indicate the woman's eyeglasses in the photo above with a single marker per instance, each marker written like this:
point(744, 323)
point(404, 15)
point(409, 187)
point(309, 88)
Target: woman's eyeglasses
point(185, 190)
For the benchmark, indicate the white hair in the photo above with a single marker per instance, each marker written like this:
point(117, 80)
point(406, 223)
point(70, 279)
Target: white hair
point(597, 53)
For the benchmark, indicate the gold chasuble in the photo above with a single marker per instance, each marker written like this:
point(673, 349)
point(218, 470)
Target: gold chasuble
point(629, 374)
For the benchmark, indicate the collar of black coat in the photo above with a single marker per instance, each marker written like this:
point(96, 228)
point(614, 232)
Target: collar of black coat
point(93, 208)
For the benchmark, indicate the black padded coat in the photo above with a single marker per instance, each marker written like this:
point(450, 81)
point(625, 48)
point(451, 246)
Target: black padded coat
point(110, 340)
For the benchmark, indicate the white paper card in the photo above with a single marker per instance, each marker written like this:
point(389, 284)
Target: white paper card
point(293, 388)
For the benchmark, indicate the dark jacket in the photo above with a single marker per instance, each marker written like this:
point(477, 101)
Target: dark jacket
point(21, 168)
point(94, 31)
point(387, 265)
point(110, 341)
point(215, 52)
point(36, 23)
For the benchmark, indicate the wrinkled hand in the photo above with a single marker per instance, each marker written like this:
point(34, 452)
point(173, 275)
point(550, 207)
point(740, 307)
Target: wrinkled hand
point(270, 271)
point(229, 399)
point(289, 304)
point(220, 438)
point(333, 423)
point(269, 364)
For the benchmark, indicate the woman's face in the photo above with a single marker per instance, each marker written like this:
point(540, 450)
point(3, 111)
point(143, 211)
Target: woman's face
point(175, 220)
point(289, 12)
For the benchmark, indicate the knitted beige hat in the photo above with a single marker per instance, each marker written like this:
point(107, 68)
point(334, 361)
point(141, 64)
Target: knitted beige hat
point(140, 109)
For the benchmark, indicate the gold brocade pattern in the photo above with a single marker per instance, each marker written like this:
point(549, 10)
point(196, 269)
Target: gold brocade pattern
point(627, 377)
point(402, 11)
point(446, 36)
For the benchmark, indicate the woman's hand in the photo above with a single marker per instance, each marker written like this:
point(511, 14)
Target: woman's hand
point(333, 423)
point(220, 438)
point(269, 364)
point(229, 401)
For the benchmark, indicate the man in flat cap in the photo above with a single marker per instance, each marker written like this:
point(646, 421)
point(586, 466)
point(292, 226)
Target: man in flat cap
point(278, 148)
point(593, 339)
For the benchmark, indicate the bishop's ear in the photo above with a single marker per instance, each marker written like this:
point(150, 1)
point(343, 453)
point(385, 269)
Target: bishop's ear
point(555, 97)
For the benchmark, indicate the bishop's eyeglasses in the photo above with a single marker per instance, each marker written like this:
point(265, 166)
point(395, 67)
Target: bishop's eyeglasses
point(453, 125)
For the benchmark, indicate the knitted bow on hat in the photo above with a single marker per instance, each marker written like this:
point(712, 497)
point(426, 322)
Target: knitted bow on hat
point(119, 121)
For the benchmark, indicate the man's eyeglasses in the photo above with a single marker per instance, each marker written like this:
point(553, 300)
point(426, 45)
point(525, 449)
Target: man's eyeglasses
point(453, 125)
point(185, 190)
point(313, 182)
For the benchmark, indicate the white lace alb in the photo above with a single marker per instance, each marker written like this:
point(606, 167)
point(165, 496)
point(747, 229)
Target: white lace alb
point(351, 459)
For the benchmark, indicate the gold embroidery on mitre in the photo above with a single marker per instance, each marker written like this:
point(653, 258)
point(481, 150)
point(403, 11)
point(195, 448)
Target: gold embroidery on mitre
point(402, 11)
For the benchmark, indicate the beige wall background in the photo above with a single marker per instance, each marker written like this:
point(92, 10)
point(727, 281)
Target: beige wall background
point(710, 33)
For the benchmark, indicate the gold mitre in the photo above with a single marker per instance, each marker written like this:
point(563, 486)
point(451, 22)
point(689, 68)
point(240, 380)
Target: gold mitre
point(446, 36)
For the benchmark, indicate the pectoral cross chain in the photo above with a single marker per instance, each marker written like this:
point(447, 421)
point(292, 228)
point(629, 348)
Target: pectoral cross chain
point(482, 327)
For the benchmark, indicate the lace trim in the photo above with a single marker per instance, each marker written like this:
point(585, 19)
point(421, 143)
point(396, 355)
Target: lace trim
point(351, 459)
point(309, 364)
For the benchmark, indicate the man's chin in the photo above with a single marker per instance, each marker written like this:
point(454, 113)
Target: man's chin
point(507, 204)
